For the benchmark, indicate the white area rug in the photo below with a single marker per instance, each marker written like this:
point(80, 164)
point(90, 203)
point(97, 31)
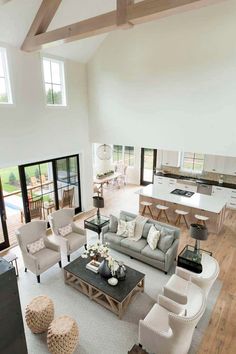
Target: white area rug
point(100, 330)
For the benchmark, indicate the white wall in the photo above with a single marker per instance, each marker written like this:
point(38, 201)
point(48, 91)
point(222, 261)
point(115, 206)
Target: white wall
point(30, 131)
point(169, 84)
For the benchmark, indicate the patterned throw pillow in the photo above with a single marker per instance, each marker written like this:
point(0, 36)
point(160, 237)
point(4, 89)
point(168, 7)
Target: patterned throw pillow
point(66, 230)
point(153, 237)
point(36, 246)
point(126, 228)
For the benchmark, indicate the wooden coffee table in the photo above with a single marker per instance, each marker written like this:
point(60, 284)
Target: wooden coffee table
point(114, 298)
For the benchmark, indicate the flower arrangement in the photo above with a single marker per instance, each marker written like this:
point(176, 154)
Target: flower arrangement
point(113, 265)
point(97, 250)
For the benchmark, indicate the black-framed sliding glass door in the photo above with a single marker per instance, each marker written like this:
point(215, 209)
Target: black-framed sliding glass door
point(67, 179)
point(50, 185)
point(148, 164)
point(4, 240)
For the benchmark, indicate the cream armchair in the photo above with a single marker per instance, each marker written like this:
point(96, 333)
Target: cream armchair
point(177, 288)
point(74, 240)
point(45, 258)
point(166, 329)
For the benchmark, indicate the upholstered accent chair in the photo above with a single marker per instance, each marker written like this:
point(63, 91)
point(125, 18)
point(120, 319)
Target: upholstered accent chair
point(44, 258)
point(177, 288)
point(167, 328)
point(72, 241)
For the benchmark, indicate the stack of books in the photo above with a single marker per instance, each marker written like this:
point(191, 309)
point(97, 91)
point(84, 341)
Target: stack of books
point(93, 266)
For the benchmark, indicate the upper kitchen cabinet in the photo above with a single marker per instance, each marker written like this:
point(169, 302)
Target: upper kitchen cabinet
point(214, 163)
point(170, 158)
point(230, 166)
point(220, 164)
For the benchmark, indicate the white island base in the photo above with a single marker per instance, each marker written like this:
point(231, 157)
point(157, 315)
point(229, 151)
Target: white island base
point(210, 206)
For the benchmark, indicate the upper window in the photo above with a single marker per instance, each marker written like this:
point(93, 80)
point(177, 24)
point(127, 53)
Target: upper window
point(117, 153)
point(129, 155)
point(123, 154)
point(193, 162)
point(5, 89)
point(54, 82)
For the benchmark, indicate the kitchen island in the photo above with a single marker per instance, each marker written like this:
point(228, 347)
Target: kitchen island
point(210, 206)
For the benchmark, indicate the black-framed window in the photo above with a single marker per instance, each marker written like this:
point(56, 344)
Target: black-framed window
point(54, 81)
point(117, 153)
point(123, 154)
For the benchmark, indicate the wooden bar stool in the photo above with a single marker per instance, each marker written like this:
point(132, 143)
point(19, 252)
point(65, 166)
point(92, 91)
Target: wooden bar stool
point(181, 214)
point(146, 205)
point(201, 219)
point(162, 209)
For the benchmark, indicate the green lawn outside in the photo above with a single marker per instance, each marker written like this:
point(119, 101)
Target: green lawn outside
point(30, 171)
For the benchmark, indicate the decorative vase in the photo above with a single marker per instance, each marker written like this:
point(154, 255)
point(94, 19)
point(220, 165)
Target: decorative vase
point(104, 269)
point(121, 271)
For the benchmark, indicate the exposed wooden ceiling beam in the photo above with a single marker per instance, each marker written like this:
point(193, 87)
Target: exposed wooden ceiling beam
point(122, 13)
point(128, 12)
point(42, 20)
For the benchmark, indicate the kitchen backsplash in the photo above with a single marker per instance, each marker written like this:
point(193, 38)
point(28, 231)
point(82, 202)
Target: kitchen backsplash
point(206, 175)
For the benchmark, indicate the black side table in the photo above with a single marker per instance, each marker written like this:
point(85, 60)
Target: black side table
point(96, 223)
point(190, 259)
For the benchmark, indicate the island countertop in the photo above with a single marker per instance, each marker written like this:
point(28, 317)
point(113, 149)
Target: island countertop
point(213, 204)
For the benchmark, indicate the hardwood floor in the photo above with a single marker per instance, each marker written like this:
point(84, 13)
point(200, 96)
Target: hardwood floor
point(220, 337)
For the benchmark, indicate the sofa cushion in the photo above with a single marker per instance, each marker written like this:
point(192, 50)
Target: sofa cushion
point(153, 237)
point(113, 223)
point(75, 241)
point(165, 242)
point(113, 238)
point(154, 254)
point(47, 257)
point(127, 216)
point(146, 229)
point(126, 228)
point(135, 246)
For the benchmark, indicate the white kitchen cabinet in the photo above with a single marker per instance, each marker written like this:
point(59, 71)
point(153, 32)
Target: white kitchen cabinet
point(230, 166)
point(171, 158)
point(166, 182)
point(214, 163)
point(232, 199)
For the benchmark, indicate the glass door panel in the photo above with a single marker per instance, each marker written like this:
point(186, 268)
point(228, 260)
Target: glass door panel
point(40, 192)
point(148, 163)
point(67, 170)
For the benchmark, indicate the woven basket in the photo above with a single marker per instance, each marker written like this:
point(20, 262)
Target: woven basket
point(63, 335)
point(39, 314)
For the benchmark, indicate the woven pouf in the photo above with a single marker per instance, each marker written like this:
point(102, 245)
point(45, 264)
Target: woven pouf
point(63, 335)
point(39, 314)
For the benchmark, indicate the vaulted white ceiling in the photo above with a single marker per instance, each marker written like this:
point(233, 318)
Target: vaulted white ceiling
point(16, 17)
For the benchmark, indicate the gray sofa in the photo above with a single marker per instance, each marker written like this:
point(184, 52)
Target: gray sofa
point(140, 249)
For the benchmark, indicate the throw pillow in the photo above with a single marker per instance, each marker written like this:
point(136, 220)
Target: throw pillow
point(153, 237)
point(66, 230)
point(165, 242)
point(125, 229)
point(113, 223)
point(36, 246)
